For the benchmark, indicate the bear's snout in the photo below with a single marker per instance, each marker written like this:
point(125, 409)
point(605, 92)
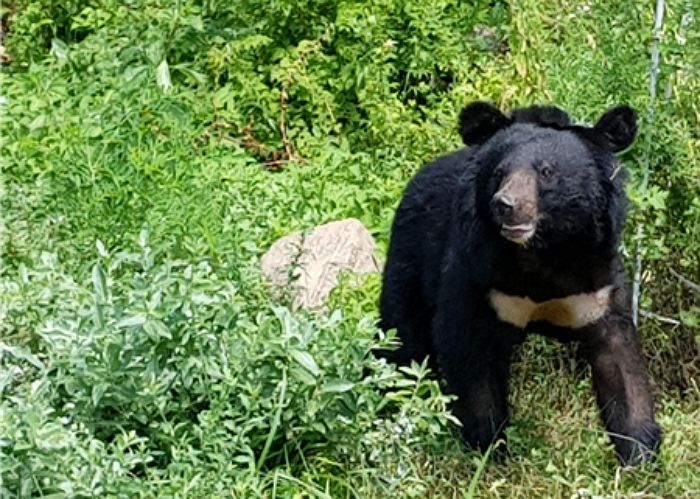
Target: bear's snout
point(514, 206)
point(502, 207)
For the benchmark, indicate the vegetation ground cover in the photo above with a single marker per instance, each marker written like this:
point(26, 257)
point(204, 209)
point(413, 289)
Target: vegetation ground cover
point(152, 150)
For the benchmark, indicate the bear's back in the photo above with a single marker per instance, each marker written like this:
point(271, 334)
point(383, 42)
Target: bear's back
point(422, 221)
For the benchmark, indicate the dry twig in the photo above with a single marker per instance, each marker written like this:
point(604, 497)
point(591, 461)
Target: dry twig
point(695, 287)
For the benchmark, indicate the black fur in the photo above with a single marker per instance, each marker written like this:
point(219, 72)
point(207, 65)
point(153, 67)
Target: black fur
point(549, 116)
point(446, 254)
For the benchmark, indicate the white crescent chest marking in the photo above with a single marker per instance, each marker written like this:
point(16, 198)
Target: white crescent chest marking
point(574, 311)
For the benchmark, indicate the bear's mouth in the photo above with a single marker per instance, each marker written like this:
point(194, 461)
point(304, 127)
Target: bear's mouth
point(520, 233)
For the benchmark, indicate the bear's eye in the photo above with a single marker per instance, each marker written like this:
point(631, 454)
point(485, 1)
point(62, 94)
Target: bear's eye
point(498, 173)
point(546, 171)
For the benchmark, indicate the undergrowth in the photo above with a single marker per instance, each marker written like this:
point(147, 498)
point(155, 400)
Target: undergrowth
point(152, 151)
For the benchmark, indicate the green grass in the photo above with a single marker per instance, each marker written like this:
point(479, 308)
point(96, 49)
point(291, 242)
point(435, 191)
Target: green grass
point(144, 173)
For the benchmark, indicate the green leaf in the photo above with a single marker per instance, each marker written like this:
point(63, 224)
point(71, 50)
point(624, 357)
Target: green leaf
point(337, 386)
point(191, 74)
point(38, 122)
point(22, 354)
point(221, 97)
point(163, 76)
point(131, 321)
point(306, 361)
point(99, 282)
point(59, 49)
point(143, 238)
point(156, 328)
point(101, 250)
point(97, 393)
point(690, 318)
point(133, 72)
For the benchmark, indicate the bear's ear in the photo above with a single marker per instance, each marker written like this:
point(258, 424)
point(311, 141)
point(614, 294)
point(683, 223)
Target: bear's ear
point(618, 127)
point(479, 121)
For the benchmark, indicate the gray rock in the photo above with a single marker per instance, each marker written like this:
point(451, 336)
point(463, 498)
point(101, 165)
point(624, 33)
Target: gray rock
point(308, 263)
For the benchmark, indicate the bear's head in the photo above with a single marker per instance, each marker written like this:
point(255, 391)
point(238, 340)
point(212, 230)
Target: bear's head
point(544, 182)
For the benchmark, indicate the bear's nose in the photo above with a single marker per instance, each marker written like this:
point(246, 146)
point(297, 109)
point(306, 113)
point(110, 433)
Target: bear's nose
point(502, 206)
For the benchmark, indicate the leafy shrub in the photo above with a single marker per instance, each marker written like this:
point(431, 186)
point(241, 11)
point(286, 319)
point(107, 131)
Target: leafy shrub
point(153, 369)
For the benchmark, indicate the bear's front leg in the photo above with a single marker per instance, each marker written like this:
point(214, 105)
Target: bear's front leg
point(622, 388)
point(474, 352)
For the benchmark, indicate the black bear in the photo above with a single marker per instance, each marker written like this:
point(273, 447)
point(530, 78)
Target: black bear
point(519, 232)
